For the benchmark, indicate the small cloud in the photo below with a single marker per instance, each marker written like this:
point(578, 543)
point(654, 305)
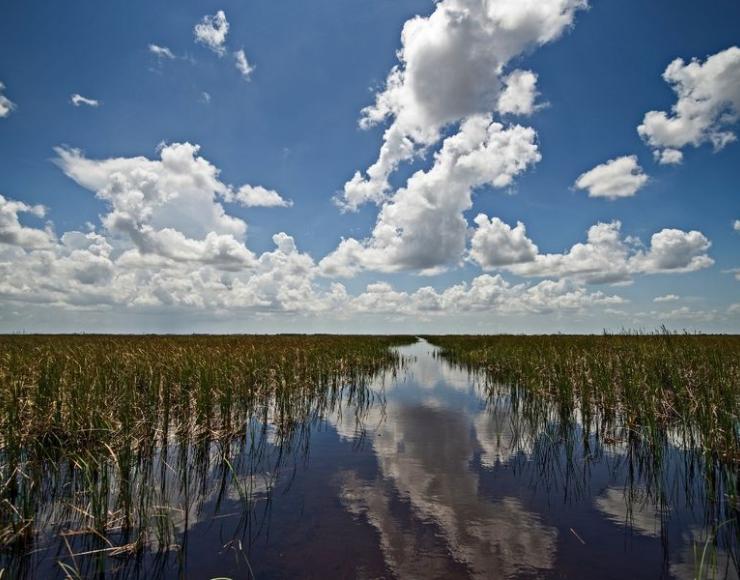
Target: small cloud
point(211, 31)
point(620, 177)
point(668, 156)
point(666, 298)
point(242, 64)
point(257, 196)
point(6, 105)
point(736, 226)
point(78, 100)
point(205, 97)
point(161, 51)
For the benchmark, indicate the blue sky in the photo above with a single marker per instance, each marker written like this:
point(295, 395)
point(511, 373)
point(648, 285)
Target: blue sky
point(414, 257)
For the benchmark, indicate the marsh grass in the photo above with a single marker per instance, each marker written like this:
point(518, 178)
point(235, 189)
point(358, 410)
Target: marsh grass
point(664, 404)
point(110, 445)
point(654, 385)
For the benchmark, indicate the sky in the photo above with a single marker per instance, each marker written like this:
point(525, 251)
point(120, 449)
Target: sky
point(370, 166)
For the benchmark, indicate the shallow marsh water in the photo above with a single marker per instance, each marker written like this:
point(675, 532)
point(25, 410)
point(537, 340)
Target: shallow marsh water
point(428, 475)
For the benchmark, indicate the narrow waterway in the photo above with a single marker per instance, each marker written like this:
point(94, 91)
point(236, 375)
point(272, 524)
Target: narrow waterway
point(433, 475)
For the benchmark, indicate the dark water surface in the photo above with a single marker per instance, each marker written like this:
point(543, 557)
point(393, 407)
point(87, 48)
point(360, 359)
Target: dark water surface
point(426, 476)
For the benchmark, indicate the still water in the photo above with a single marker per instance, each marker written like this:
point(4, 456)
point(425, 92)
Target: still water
point(428, 475)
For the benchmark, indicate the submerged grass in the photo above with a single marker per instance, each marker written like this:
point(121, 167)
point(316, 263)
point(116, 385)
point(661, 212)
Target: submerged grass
point(107, 442)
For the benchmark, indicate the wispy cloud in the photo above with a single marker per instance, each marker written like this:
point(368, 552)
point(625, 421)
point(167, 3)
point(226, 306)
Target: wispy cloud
point(242, 64)
point(161, 51)
point(77, 100)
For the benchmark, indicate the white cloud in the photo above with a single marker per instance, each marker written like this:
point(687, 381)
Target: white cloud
point(620, 177)
point(673, 250)
point(736, 226)
point(422, 226)
point(707, 107)
point(77, 100)
point(484, 293)
point(451, 66)
point(242, 65)
point(211, 31)
point(497, 244)
point(100, 270)
point(607, 258)
point(666, 298)
point(161, 51)
point(11, 230)
point(168, 206)
point(257, 196)
point(6, 105)
point(519, 94)
point(668, 156)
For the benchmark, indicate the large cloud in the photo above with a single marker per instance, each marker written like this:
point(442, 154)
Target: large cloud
point(451, 66)
point(607, 257)
point(170, 206)
point(91, 270)
point(708, 105)
point(422, 226)
point(168, 270)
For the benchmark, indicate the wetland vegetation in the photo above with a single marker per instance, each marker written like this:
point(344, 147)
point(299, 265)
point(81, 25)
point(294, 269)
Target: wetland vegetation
point(94, 428)
point(115, 450)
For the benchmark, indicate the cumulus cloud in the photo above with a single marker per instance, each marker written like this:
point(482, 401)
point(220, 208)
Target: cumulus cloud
point(495, 243)
point(484, 293)
point(167, 206)
point(161, 51)
point(242, 65)
point(707, 106)
point(606, 257)
point(519, 94)
point(668, 156)
point(77, 100)
point(736, 226)
point(6, 105)
point(84, 270)
point(451, 66)
point(211, 31)
point(422, 226)
point(11, 230)
point(620, 177)
point(257, 196)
